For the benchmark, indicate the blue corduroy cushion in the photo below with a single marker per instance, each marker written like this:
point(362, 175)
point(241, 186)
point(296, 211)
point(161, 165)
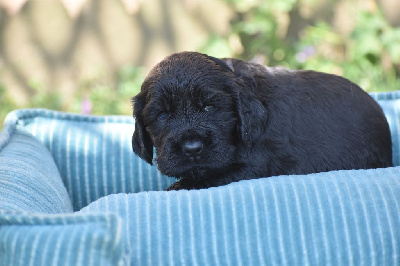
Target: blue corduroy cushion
point(29, 179)
point(73, 193)
point(335, 218)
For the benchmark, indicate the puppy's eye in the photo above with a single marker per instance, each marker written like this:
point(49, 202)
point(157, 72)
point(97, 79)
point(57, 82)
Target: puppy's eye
point(162, 116)
point(209, 108)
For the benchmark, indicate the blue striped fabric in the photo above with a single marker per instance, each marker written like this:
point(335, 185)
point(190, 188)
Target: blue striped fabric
point(28, 239)
point(72, 192)
point(392, 112)
point(93, 154)
point(335, 218)
point(23, 185)
point(384, 96)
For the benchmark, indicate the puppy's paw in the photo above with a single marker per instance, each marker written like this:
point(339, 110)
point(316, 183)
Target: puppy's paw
point(183, 183)
point(174, 186)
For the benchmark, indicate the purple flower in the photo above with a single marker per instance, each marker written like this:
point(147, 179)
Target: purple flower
point(305, 54)
point(86, 106)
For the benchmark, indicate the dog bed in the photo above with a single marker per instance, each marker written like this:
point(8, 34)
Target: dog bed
point(72, 192)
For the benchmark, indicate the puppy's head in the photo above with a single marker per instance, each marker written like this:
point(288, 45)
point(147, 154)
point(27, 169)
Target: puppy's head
point(191, 108)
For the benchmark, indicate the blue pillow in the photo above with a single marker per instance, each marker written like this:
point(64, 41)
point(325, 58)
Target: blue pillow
point(61, 239)
point(29, 178)
point(335, 218)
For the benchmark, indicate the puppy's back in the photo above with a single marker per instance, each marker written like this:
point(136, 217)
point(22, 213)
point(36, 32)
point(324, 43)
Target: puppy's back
point(321, 121)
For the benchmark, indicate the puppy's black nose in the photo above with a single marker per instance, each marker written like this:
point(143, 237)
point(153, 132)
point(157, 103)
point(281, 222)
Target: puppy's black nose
point(192, 148)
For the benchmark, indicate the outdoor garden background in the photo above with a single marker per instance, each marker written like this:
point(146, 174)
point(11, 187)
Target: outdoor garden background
point(91, 56)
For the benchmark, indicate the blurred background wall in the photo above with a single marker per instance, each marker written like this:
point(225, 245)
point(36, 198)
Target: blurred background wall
point(91, 56)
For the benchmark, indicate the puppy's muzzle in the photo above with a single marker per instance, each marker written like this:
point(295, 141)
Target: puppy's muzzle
point(192, 149)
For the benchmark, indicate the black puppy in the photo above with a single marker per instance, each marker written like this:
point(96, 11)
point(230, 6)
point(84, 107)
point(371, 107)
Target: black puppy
point(216, 121)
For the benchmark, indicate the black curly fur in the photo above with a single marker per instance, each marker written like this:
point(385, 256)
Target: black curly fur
point(249, 121)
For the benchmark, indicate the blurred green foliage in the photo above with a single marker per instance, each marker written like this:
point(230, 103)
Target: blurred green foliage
point(369, 56)
point(6, 104)
point(108, 99)
point(94, 96)
point(41, 97)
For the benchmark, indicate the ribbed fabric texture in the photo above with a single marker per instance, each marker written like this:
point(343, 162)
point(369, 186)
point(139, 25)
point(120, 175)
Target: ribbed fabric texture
point(93, 154)
point(29, 179)
point(392, 109)
point(28, 239)
point(53, 164)
point(335, 218)
point(384, 96)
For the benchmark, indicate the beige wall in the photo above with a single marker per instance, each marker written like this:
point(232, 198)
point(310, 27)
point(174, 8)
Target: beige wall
point(42, 45)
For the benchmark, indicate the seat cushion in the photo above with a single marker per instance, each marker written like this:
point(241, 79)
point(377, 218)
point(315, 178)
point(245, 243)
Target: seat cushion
point(29, 178)
point(334, 218)
point(61, 239)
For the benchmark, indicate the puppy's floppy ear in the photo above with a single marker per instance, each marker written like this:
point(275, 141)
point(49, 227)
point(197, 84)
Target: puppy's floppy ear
point(142, 144)
point(252, 115)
